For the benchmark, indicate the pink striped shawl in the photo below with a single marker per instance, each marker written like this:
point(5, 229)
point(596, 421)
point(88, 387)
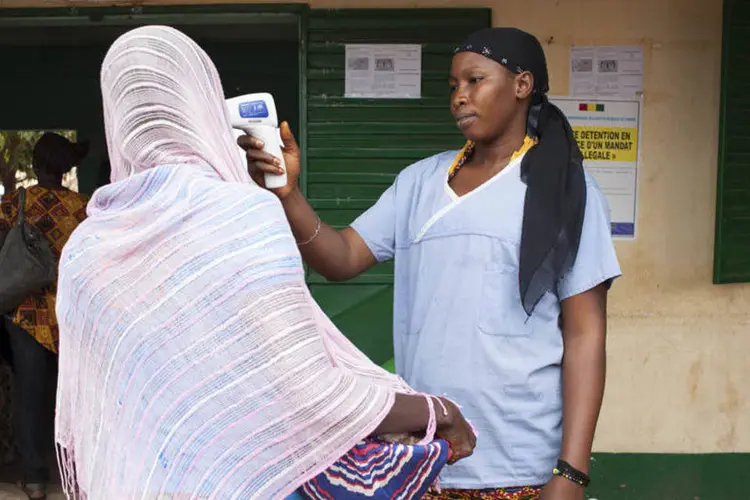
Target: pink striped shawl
point(193, 361)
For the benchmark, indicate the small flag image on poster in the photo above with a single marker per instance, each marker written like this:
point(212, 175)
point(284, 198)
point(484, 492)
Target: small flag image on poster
point(591, 107)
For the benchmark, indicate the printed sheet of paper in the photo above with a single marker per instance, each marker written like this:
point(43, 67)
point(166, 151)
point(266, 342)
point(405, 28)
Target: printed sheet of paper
point(615, 71)
point(383, 71)
point(608, 132)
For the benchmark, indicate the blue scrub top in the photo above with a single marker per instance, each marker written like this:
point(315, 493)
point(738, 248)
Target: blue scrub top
point(459, 328)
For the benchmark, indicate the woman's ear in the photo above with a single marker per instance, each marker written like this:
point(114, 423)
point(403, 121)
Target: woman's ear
point(524, 85)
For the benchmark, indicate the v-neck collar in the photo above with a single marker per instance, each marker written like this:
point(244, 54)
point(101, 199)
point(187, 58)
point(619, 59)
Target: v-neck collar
point(456, 200)
point(460, 158)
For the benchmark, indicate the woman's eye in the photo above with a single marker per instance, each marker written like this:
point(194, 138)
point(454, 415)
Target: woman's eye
point(475, 79)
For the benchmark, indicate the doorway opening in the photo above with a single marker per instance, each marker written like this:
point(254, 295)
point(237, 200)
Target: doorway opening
point(52, 59)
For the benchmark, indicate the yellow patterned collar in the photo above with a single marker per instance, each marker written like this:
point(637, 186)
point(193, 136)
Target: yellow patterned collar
point(468, 148)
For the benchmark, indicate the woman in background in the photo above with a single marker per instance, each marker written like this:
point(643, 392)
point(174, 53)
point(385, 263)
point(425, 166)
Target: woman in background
point(32, 328)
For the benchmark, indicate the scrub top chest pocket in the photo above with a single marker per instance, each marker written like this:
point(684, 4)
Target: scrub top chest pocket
point(500, 311)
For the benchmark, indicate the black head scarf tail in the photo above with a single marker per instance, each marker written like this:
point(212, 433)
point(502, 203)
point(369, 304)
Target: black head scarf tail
point(552, 170)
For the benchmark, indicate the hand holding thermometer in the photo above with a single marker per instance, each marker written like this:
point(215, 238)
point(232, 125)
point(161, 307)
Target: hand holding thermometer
point(255, 114)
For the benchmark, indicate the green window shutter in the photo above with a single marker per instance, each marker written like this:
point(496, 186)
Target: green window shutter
point(732, 244)
point(355, 147)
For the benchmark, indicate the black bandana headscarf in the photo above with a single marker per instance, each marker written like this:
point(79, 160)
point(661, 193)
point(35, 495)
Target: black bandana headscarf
point(552, 170)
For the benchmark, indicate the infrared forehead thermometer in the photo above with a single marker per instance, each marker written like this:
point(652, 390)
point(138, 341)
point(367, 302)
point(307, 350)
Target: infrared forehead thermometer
point(255, 115)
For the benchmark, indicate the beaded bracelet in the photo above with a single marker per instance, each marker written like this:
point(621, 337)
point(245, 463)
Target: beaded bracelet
point(567, 471)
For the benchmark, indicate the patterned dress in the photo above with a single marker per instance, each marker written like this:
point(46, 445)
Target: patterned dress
point(56, 212)
point(525, 493)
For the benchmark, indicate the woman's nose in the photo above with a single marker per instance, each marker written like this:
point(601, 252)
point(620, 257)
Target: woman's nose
point(459, 99)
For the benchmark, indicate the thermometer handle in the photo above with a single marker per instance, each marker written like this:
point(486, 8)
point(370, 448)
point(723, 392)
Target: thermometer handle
point(271, 145)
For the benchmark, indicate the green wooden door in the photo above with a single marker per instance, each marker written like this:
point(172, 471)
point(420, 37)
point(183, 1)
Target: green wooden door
point(732, 245)
point(355, 147)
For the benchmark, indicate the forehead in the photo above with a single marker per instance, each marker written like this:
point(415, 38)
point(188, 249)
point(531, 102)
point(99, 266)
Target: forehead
point(467, 61)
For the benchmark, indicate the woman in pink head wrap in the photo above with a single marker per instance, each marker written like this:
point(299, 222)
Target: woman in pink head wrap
point(193, 361)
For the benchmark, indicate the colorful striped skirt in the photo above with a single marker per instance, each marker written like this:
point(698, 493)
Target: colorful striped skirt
point(377, 470)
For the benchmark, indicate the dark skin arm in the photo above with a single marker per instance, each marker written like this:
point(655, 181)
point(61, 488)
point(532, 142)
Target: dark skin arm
point(410, 414)
point(336, 255)
point(583, 372)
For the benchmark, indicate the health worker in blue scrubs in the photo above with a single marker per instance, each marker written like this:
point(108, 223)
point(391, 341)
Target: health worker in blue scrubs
point(503, 260)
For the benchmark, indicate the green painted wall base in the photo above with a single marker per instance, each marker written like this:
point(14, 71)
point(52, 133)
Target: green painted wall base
point(670, 477)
